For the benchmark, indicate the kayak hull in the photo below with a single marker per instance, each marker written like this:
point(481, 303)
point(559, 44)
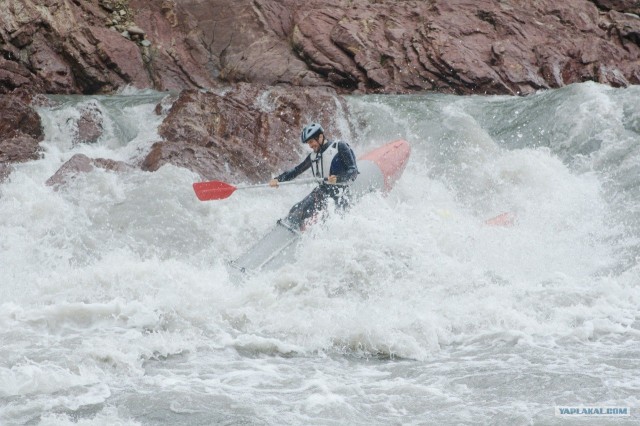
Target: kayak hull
point(271, 252)
point(388, 161)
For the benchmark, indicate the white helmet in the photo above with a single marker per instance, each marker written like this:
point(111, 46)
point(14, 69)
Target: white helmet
point(310, 131)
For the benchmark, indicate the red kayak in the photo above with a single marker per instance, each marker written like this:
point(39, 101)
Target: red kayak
point(382, 167)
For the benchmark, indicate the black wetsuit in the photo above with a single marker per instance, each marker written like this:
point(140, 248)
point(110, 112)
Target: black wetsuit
point(343, 166)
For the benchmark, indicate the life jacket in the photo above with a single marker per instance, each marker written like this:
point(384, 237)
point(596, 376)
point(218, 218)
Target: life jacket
point(321, 161)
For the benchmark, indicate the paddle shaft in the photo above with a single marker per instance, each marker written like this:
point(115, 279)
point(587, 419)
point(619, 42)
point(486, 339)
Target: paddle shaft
point(290, 182)
point(217, 190)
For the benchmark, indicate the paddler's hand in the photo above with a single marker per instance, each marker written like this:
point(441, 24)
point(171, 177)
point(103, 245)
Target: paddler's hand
point(273, 183)
point(332, 180)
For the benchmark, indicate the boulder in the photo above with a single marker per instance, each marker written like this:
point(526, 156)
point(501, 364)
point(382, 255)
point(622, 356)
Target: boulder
point(90, 124)
point(246, 132)
point(79, 164)
point(18, 117)
point(18, 149)
point(20, 130)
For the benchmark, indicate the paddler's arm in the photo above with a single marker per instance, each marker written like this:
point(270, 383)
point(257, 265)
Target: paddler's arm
point(291, 174)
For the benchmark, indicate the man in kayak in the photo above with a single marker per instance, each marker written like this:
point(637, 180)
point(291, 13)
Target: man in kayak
point(332, 161)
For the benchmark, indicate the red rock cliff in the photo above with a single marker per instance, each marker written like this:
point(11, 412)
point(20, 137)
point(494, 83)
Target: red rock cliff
point(459, 46)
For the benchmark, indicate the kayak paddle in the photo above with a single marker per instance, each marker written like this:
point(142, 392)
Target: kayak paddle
point(216, 190)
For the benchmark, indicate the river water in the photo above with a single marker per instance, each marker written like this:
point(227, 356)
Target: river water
point(116, 306)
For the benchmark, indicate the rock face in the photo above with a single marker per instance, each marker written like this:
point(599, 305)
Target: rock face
point(305, 51)
point(64, 46)
point(20, 130)
point(455, 46)
point(387, 46)
point(247, 133)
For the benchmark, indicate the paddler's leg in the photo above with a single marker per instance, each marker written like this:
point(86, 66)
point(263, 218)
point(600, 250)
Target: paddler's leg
point(308, 207)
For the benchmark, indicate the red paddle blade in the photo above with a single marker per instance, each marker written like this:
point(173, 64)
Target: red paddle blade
point(504, 219)
point(213, 190)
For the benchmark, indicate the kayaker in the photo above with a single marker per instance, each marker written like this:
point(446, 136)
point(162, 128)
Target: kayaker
point(332, 161)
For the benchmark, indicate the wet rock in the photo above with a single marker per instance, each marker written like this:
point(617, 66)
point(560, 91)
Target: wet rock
point(20, 130)
point(19, 148)
point(17, 117)
point(79, 164)
point(163, 107)
point(245, 133)
point(90, 124)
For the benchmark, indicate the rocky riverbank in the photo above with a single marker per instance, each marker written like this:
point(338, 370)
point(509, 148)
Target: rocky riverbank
point(310, 51)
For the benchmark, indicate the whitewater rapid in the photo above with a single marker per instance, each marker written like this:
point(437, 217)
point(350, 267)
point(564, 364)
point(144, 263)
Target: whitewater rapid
point(117, 307)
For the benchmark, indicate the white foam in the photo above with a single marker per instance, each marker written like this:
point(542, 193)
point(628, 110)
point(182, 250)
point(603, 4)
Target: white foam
point(116, 285)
